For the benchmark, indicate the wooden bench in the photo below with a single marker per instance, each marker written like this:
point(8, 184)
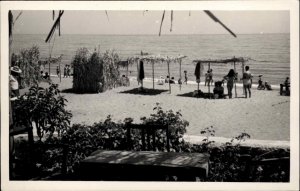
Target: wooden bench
point(144, 165)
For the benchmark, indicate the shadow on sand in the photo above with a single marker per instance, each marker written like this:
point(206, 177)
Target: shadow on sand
point(195, 95)
point(144, 91)
point(71, 91)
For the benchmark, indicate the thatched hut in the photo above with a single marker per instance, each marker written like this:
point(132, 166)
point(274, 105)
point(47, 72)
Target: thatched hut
point(233, 60)
point(157, 59)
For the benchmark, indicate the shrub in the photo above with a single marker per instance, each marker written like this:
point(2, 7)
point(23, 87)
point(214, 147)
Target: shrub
point(229, 162)
point(83, 139)
point(43, 109)
point(177, 128)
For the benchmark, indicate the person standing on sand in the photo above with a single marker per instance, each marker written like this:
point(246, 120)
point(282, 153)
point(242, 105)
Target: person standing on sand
point(185, 77)
point(68, 71)
point(210, 75)
point(57, 71)
point(14, 82)
point(247, 81)
point(65, 71)
point(230, 80)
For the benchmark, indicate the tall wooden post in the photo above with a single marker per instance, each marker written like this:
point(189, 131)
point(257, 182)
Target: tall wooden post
point(209, 82)
point(242, 75)
point(180, 74)
point(152, 72)
point(59, 73)
point(127, 69)
point(168, 62)
point(234, 80)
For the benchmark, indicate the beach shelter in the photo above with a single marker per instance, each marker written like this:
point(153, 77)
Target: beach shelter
point(157, 59)
point(234, 60)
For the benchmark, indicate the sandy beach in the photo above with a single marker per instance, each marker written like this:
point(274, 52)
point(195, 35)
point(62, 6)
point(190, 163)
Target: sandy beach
point(265, 116)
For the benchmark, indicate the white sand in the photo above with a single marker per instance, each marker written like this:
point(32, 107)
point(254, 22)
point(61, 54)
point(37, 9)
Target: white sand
point(265, 116)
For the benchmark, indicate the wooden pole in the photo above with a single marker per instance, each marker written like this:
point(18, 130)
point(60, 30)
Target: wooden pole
point(137, 71)
point(234, 80)
point(127, 69)
point(209, 82)
point(59, 73)
point(49, 64)
point(168, 62)
point(180, 74)
point(242, 75)
point(153, 73)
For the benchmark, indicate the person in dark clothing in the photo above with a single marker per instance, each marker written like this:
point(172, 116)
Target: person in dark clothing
point(185, 77)
point(230, 77)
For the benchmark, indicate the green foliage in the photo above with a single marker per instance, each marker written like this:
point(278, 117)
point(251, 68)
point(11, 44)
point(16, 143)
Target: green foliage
point(95, 73)
point(27, 60)
point(177, 128)
point(83, 139)
point(43, 109)
point(229, 162)
point(206, 142)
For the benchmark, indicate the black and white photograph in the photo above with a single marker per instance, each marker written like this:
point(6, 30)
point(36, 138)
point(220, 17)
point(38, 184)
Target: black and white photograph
point(136, 94)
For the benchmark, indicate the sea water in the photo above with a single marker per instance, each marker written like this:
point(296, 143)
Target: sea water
point(269, 53)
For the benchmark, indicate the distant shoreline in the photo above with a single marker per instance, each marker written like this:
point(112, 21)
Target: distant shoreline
point(164, 34)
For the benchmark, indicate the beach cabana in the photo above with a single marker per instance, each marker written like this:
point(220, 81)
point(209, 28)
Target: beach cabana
point(234, 60)
point(152, 59)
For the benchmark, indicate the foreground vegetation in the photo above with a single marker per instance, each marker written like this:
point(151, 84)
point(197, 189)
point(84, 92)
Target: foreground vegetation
point(228, 162)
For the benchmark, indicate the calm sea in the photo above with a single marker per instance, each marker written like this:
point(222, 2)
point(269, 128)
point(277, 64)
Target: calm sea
point(270, 52)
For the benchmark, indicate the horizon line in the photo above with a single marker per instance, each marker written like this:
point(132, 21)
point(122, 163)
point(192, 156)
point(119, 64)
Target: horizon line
point(151, 34)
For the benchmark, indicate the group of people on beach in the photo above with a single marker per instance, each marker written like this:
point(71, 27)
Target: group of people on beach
point(67, 71)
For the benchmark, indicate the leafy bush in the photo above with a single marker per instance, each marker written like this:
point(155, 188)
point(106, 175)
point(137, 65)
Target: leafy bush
point(43, 109)
point(177, 128)
point(229, 162)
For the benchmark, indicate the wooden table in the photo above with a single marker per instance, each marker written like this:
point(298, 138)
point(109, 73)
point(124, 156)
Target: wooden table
point(143, 165)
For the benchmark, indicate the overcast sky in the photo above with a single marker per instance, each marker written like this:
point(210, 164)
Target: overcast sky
point(139, 22)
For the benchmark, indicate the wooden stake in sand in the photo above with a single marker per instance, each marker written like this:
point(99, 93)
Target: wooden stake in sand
point(243, 74)
point(59, 73)
point(180, 74)
point(197, 74)
point(209, 81)
point(168, 62)
point(234, 80)
point(152, 62)
point(127, 69)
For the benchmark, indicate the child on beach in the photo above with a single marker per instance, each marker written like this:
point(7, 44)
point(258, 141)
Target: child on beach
point(268, 86)
point(247, 81)
point(185, 77)
point(206, 78)
point(209, 78)
point(167, 79)
point(172, 81)
point(260, 86)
